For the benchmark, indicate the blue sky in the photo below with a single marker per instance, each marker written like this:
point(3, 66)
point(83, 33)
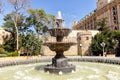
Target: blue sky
point(72, 10)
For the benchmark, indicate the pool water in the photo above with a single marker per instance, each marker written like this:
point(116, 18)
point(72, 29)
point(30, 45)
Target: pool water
point(84, 71)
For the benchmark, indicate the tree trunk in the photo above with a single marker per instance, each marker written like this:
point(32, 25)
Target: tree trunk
point(15, 24)
point(17, 44)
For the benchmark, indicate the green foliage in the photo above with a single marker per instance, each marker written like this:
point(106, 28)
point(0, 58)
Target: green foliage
point(105, 36)
point(3, 55)
point(10, 45)
point(2, 50)
point(13, 54)
point(117, 40)
point(102, 24)
point(31, 43)
point(21, 24)
point(117, 34)
point(40, 20)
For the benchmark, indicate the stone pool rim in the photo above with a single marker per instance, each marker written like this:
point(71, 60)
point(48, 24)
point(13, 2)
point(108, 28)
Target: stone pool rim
point(108, 60)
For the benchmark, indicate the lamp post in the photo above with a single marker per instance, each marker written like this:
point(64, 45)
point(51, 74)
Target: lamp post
point(80, 49)
point(103, 46)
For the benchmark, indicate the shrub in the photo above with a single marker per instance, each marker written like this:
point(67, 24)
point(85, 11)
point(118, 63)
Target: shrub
point(13, 54)
point(2, 51)
point(3, 55)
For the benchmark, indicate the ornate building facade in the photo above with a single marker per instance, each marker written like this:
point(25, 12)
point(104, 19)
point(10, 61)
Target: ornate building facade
point(109, 9)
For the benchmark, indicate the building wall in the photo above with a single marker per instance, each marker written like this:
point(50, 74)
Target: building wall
point(105, 8)
point(84, 41)
point(101, 3)
point(73, 37)
point(105, 14)
point(3, 34)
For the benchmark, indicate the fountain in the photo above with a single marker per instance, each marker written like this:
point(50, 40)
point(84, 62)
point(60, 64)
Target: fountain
point(88, 68)
point(59, 62)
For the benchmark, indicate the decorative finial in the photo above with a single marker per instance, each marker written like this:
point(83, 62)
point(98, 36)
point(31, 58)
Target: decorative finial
point(109, 1)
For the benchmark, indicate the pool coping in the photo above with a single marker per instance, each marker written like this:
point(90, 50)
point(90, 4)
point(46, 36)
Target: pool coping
point(115, 60)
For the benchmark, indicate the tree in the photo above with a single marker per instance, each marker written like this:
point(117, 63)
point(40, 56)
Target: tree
point(102, 24)
point(9, 25)
point(9, 44)
point(1, 6)
point(105, 36)
point(31, 43)
point(18, 5)
point(40, 20)
point(117, 40)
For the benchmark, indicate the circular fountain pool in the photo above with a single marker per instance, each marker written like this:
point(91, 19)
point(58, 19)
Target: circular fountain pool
point(84, 71)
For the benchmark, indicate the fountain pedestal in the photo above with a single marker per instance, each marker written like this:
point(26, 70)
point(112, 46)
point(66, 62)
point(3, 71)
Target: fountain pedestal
point(62, 62)
point(59, 65)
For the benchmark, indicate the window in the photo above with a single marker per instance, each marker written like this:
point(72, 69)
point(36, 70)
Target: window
point(87, 38)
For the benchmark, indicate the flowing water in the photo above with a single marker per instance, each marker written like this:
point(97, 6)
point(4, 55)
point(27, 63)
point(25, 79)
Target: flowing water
point(84, 71)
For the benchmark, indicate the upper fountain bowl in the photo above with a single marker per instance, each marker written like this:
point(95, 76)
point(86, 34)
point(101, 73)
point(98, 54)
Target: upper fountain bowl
point(59, 33)
point(55, 32)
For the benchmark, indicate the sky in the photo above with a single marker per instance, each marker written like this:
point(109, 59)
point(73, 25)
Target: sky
point(72, 10)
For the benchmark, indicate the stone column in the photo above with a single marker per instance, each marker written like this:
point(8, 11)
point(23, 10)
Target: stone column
point(93, 26)
point(78, 45)
point(118, 12)
point(111, 19)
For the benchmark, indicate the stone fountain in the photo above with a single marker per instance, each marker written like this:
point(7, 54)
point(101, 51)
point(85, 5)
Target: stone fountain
point(59, 62)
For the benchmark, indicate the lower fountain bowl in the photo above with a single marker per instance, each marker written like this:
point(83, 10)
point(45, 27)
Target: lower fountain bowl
point(59, 46)
point(61, 70)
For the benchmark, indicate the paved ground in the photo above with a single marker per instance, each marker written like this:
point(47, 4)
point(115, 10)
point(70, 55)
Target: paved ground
point(3, 59)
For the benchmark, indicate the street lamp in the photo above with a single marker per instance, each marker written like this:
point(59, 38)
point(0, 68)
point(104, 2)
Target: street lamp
point(80, 45)
point(103, 46)
point(80, 49)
